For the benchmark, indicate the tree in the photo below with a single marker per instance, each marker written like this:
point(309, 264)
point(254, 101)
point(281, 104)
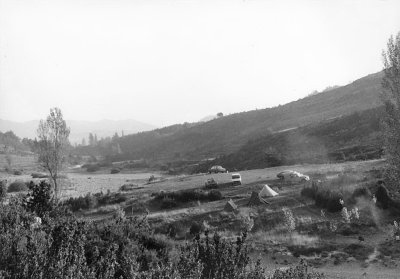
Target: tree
point(53, 140)
point(220, 114)
point(391, 97)
point(91, 139)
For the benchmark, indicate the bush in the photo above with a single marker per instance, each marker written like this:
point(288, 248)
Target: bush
point(358, 251)
point(39, 198)
point(87, 202)
point(168, 203)
point(382, 196)
point(3, 189)
point(39, 175)
point(324, 198)
point(307, 251)
point(17, 186)
point(186, 196)
point(115, 170)
point(298, 272)
point(91, 167)
point(214, 195)
point(110, 198)
point(17, 172)
point(196, 228)
point(128, 187)
point(152, 178)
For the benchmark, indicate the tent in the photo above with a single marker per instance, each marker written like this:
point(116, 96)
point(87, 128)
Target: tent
point(266, 191)
point(230, 206)
point(255, 199)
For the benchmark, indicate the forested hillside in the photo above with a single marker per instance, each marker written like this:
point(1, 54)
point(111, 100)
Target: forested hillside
point(228, 134)
point(353, 137)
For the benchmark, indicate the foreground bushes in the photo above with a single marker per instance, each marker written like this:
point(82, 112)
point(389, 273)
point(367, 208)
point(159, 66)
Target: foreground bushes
point(62, 246)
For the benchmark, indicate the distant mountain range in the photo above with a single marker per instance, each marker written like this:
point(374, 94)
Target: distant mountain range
point(228, 134)
point(80, 129)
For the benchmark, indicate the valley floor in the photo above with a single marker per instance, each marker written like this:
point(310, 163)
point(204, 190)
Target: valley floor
point(338, 254)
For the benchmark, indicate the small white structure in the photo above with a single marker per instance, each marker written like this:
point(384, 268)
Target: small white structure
point(266, 191)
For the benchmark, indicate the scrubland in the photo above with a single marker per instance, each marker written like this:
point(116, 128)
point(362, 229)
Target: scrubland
point(332, 221)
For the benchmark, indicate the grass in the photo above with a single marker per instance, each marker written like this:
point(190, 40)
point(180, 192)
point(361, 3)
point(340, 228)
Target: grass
point(359, 251)
point(306, 250)
point(390, 248)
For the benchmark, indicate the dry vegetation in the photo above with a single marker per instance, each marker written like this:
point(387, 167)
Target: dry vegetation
point(327, 240)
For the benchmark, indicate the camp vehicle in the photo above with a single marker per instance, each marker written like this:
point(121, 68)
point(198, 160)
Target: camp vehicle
point(236, 179)
point(216, 169)
point(293, 176)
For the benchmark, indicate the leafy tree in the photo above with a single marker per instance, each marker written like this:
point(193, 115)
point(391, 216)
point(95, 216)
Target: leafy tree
point(53, 140)
point(39, 198)
point(391, 94)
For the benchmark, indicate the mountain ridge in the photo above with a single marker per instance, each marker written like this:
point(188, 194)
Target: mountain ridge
point(227, 134)
point(79, 128)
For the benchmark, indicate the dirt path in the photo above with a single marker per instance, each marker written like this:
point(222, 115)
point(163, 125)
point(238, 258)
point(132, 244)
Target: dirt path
point(354, 271)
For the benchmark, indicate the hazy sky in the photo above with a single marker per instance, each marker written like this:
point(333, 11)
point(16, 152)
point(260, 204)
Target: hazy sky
point(166, 62)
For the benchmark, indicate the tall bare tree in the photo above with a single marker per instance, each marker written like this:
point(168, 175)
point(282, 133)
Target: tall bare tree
point(53, 139)
point(391, 94)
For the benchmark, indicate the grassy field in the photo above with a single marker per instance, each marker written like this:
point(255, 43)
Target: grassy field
point(19, 162)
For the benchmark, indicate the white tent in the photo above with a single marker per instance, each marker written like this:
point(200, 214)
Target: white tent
point(266, 191)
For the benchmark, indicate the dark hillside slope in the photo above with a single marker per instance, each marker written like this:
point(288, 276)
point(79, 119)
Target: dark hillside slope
point(353, 137)
point(227, 134)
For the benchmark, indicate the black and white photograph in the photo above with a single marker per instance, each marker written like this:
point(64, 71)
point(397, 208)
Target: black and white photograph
point(199, 139)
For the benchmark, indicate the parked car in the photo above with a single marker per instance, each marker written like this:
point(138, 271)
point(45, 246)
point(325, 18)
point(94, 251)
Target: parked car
point(236, 179)
point(293, 176)
point(217, 169)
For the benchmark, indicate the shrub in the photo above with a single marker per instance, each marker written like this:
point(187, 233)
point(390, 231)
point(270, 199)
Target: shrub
point(214, 195)
point(382, 196)
point(110, 198)
point(152, 178)
point(324, 198)
point(3, 189)
point(39, 198)
point(168, 203)
point(128, 187)
point(17, 186)
point(92, 168)
point(174, 229)
point(190, 195)
point(115, 170)
point(307, 251)
point(17, 172)
point(298, 272)
point(39, 175)
point(87, 202)
point(358, 251)
point(196, 228)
